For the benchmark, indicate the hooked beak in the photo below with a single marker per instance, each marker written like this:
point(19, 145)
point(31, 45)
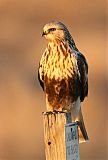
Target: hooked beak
point(44, 33)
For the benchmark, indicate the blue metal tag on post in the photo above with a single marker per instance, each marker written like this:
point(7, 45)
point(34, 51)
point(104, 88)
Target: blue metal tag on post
point(72, 143)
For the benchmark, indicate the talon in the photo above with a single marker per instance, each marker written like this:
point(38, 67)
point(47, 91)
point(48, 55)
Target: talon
point(55, 111)
point(47, 113)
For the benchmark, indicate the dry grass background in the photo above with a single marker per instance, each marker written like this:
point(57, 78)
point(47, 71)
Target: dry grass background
point(21, 98)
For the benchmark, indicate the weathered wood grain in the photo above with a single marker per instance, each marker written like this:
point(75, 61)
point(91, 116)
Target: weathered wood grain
point(54, 134)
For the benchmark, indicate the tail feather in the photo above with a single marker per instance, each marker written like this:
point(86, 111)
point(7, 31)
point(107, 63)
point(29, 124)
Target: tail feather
point(83, 137)
point(78, 117)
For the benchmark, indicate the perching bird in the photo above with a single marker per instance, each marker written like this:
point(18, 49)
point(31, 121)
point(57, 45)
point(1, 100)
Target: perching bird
point(63, 74)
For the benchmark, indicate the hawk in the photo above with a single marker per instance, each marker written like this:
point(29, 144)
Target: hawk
point(63, 74)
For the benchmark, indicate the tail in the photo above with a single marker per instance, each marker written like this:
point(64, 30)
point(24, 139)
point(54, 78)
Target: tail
point(83, 137)
point(78, 117)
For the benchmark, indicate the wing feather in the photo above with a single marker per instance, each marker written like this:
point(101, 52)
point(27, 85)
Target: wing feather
point(41, 69)
point(83, 70)
point(41, 77)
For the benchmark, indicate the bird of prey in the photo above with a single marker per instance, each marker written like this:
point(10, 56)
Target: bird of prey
point(63, 74)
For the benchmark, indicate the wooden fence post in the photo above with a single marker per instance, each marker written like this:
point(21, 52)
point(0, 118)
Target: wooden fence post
point(60, 137)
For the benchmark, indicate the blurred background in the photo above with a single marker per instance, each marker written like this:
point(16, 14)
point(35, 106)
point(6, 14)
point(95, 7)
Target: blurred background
point(21, 97)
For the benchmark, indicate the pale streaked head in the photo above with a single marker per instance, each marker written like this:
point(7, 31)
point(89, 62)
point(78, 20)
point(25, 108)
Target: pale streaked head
point(55, 31)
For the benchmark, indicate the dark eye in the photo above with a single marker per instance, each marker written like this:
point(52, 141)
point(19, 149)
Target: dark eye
point(52, 29)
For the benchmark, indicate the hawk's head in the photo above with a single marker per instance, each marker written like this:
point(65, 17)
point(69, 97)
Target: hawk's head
point(55, 31)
